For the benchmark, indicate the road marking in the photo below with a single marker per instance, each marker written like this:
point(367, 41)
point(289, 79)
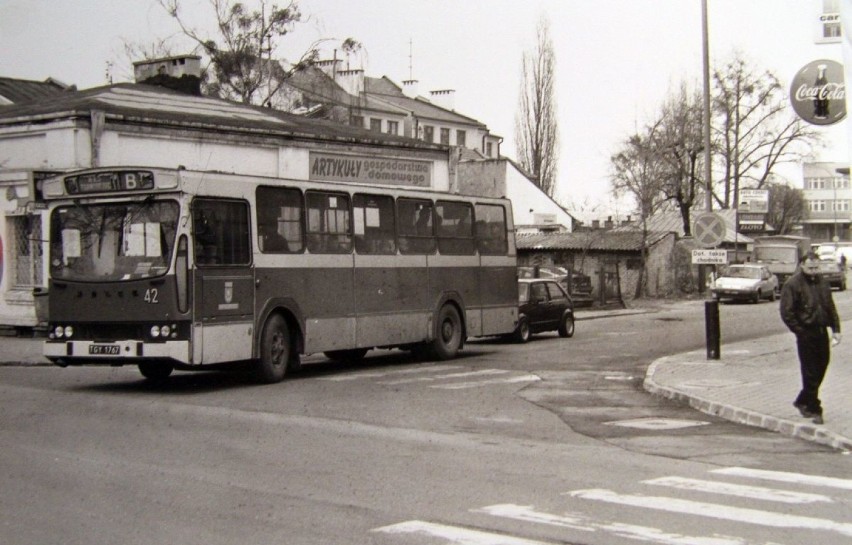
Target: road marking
point(657, 423)
point(728, 489)
point(374, 374)
point(455, 534)
point(483, 372)
point(786, 477)
point(575, 521)
point(475, 384)
point(712, 510)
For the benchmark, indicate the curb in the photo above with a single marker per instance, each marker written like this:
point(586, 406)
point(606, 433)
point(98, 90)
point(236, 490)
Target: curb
point(808, 432)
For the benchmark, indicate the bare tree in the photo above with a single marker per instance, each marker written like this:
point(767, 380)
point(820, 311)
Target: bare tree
point(786, 207)
point(243, 60)
point(536, 132)
point(753, 130)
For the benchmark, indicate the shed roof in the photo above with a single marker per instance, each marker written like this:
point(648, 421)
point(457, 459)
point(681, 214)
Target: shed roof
point(20, 90)
point(604, 241)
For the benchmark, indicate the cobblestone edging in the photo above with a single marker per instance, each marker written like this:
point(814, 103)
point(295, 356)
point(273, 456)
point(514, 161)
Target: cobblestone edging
point(806, 431)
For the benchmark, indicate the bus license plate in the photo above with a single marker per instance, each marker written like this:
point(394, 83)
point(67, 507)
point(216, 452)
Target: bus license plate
point(104, 349)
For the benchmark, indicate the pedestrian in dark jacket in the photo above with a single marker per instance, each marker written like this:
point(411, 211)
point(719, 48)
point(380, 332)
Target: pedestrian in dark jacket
point(807, 309)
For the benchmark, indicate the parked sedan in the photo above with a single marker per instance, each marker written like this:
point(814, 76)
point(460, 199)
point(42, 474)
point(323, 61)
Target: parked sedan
point(544, 306)
point(745, 282)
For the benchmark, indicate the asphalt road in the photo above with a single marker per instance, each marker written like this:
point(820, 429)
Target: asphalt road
point(548, 442)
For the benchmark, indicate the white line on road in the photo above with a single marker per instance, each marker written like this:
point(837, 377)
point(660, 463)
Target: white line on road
point(373, 374)
point(455, 534)
point(783, 476)
point(484, 372)
point(712, 510)
point(580, 522)
point(476, 384)
point(728, 489)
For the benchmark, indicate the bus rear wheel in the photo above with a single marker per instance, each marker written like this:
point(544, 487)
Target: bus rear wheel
point(155, 371)
point(448, 338)
point(275, 351)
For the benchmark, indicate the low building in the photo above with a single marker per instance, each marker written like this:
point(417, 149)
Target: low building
point(828, 202)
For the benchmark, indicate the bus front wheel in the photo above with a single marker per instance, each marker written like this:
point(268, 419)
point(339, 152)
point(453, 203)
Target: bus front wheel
point(275, 350)
point(448, 338)
point(155, 371)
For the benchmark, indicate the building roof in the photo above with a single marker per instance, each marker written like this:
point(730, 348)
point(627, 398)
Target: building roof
point(385, 89)
point(131, 102)
point(16, 91)
point(599, 240)
point(671, 221)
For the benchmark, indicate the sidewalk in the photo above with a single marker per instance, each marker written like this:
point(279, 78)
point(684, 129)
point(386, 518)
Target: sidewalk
point(754, 383)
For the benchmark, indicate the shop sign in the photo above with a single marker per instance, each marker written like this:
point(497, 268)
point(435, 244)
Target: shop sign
point(818, 92)
point(370, 170)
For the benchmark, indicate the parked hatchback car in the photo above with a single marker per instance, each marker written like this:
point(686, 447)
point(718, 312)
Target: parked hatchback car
point(579, 287)
point(544, 305)
point(745, 282)
point(833, 272)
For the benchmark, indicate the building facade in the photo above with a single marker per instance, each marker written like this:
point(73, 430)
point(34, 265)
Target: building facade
point(828, 202)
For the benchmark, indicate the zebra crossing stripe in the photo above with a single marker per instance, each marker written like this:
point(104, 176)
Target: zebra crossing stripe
point(728, 489)
point(575, 521)
point(712, 510)
point(455, 534)
point(786, 477)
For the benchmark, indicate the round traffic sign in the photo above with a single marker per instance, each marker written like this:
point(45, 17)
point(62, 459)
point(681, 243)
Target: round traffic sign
point(709, 229)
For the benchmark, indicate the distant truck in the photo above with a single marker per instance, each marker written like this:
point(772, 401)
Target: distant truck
point(780, 253)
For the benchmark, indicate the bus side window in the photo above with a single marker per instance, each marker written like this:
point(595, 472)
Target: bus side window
point(280, 224)
point(491, 229)
point(329, 227)
point(375, 231)
point(415, 226)
point(455, 230)
point(221, 232)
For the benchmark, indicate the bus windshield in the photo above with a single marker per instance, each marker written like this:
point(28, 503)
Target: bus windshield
point(112, 241)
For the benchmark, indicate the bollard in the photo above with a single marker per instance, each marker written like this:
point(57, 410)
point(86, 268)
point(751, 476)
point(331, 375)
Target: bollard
point(712, 331)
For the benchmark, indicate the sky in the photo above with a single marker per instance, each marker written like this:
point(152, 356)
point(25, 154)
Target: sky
point(616, 60)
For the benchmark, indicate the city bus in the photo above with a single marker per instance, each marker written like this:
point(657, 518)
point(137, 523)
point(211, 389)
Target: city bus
point(176, 269)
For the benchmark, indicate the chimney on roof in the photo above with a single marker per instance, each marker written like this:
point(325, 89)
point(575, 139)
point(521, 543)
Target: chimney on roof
point(352, 81)
point(596, 224)
point(409, 88)
point(445, 98)
point(608, 223)
point(181, 73)
point(330, 66)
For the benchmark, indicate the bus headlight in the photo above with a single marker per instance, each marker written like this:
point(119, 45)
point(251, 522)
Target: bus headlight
point(69, 331)
point(59, 332)
point(165, 330)
point(155, 331)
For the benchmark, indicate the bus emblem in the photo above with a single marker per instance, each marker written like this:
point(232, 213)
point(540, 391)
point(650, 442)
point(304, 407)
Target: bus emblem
point(229, 292)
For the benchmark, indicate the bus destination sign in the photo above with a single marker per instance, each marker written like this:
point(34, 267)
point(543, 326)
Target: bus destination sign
point(108, 182)
point(370, 170)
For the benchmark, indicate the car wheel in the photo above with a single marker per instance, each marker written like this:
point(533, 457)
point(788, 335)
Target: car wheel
point(772, 295)
point(522, 333)
point(756, 297)
point(566, 326)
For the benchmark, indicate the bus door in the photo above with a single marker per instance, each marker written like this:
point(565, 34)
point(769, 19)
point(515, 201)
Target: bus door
point(223, 281)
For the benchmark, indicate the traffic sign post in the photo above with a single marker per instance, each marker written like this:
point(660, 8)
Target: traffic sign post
point(709, 232)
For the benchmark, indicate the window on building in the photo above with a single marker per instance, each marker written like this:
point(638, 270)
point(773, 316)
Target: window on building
point(27, 250)
point(393, 127)
point(816, 206)
point(841, 205)
point(489, 149)
point(375, 124)
point(461, 136)
point(357, 121)
point(445, 136)
point(428, 133)
point(841, 182)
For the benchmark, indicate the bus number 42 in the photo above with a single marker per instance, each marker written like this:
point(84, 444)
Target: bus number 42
point(151, 296)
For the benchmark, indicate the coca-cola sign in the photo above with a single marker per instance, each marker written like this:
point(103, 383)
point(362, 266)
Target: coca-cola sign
point(818, 92)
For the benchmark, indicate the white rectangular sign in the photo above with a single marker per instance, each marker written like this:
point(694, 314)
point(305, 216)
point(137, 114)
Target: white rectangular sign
point(709, 257)
point(754, 201)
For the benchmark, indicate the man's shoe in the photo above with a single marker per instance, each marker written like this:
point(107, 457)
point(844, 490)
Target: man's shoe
point(803, 410)
point(818, 419)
